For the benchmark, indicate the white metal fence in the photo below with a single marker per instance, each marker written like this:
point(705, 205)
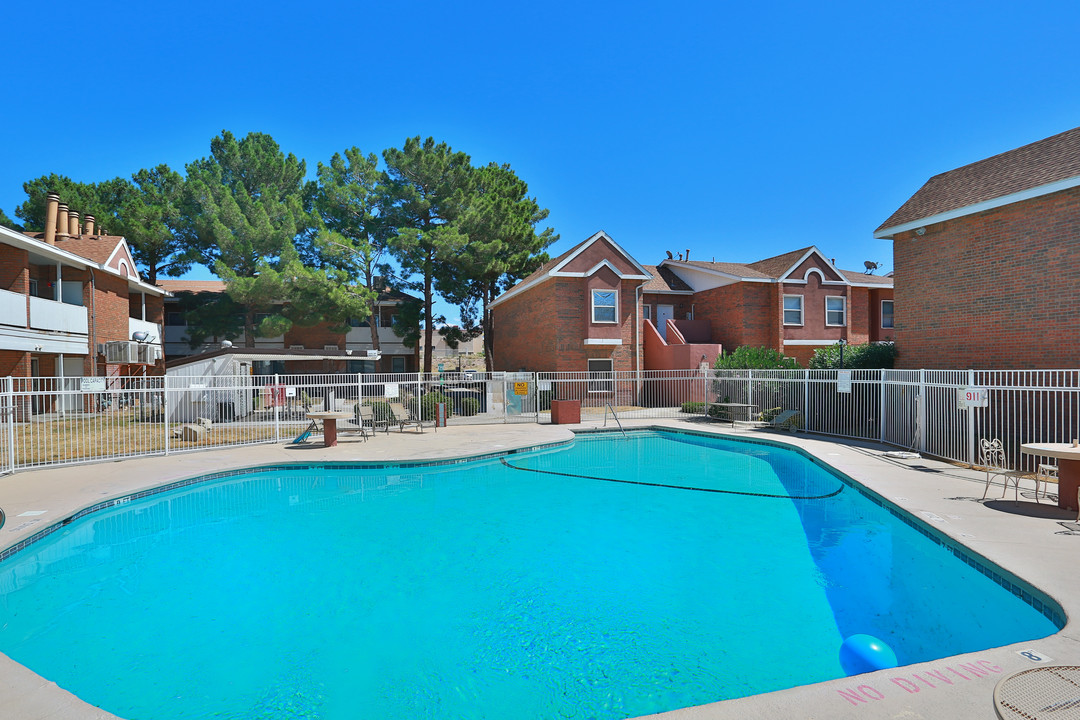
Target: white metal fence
point(49, 421)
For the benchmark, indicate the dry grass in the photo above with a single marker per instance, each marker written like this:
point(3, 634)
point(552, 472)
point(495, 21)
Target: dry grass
point(118, 434)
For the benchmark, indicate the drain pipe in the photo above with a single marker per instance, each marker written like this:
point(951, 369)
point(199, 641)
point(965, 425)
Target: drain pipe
point(637, 336)
point(93, 323)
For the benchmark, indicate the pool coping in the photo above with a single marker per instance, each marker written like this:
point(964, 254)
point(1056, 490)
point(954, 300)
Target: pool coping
point(957, 687)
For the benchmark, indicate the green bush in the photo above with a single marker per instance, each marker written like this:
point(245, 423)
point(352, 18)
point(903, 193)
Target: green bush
point(428, 403)
point(470, 406)
point(693, 407)
point(871, 356)
point(748, 357)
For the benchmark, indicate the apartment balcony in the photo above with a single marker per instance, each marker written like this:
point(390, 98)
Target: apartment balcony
point(12, 309)
point(58, 316)
point(151, 329)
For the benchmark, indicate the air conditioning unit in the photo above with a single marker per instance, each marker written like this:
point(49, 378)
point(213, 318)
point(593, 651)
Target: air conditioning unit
point(148, 354)
point(296, 347)
point(331, 348)
point(121, 352)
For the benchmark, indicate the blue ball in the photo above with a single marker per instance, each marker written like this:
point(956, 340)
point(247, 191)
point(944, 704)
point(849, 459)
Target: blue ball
point(865, 653)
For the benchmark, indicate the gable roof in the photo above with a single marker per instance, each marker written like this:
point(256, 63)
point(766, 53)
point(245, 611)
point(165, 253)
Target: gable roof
point(777, 269)
point(554, 268)
point(1036, 169)
point(664, 281)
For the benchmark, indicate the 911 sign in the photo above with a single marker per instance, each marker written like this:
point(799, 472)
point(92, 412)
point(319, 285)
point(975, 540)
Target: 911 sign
point(972, 397)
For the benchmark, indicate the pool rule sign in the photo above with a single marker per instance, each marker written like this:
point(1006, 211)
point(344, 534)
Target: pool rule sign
point(972, 397)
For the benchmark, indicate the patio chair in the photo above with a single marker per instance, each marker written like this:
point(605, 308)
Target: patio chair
point(787, 420)
point(404, 418)
point(992, 457)
point(363, 421)
point(1044, 475)
point(305, 436)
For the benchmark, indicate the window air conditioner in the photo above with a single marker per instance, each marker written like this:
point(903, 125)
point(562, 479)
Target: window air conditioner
point(148, 354)
point(121, 352)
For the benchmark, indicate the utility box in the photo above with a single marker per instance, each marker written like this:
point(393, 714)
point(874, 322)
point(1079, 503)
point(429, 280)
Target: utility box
point(565, 412)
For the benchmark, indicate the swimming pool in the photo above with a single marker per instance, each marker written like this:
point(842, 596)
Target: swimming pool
point(611, 578)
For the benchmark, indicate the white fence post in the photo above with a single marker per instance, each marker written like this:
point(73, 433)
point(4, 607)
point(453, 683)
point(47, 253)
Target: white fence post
point(806, 400)
point(920, 412)
point(165, 410)
point(277, 406)
point(971, 423)
point(881, 405)
point(11, 422)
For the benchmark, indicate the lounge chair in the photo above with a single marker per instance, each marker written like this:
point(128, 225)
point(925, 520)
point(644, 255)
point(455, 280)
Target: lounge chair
point(305, 436)
point(363, 421)
point(992, 457)
point(787, 420)
point(404, 418)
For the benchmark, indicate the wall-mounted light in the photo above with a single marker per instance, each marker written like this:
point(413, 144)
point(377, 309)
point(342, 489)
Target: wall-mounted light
point(920, 231)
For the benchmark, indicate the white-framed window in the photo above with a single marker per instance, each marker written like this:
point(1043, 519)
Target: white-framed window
point(886, 313)
point(793, 310)
point(601, 375)
point(646, 312)
point(835, 310)
point(603, 306)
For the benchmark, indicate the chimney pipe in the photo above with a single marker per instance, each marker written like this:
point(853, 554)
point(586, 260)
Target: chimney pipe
point(73, 220)
point(88, 223)
point(62, 221)
point(51, 202)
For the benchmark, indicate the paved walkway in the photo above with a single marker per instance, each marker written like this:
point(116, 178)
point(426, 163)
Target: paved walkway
point(1035, 541)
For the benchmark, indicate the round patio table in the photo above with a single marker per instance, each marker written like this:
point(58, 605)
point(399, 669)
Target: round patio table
point(329, 424)
point(1068, 458)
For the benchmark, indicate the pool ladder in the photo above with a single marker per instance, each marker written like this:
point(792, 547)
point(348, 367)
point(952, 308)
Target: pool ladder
point(609, 407)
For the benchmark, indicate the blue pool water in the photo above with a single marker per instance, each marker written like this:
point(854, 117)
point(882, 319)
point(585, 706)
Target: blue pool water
point(610, 578)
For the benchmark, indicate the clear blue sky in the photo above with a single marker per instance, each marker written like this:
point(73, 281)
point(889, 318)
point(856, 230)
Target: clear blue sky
point(735, 130)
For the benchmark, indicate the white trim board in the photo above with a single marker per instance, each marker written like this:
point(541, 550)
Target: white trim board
point(890, 232)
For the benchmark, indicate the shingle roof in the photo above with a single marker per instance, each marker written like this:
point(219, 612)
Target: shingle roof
point(664, 280)
point(776, 266)
point(861, 278)
point(175, 286)
point(736, 269)
point(1051, 160)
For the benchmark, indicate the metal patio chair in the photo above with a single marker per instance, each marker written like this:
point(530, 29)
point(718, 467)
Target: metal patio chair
point(992, 457)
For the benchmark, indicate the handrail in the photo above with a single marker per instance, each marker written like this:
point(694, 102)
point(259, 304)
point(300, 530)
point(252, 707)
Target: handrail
point(609, 407)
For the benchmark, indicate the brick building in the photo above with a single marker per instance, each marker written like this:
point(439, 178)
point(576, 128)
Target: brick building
point(987, 262)
point(395, 356)
point(72, 303)
point(595, 308)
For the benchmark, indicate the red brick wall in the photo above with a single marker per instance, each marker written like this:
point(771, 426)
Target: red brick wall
point(524, 336)
point(995, 290)
point(314, 337)
point(13, 272)
point(14, 362)
point(740, 314)
point(545, 327)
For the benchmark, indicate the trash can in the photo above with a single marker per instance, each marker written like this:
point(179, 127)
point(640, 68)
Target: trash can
point(565, 412)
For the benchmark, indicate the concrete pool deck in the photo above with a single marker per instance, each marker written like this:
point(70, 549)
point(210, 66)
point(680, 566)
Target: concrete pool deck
point(1035, 541)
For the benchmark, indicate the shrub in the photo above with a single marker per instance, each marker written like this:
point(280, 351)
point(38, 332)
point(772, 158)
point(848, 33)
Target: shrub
point(693, 407)
point(470, 406)
point(871, 356)
point(748, 357)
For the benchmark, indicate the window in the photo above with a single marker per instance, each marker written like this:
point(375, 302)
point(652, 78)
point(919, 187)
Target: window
point(793, 310)
point(646, 312)
point(886, 313)
point(835, 310)
point(603, 306)
point(174, 318)
point(397, 364)
point(601, 376)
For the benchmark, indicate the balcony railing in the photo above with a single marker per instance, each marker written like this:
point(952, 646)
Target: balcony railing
point(12, 309)
point(53, 315)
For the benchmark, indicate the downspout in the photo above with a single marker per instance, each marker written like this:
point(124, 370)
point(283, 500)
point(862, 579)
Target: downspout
point(93, 323)
point(637, 335)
